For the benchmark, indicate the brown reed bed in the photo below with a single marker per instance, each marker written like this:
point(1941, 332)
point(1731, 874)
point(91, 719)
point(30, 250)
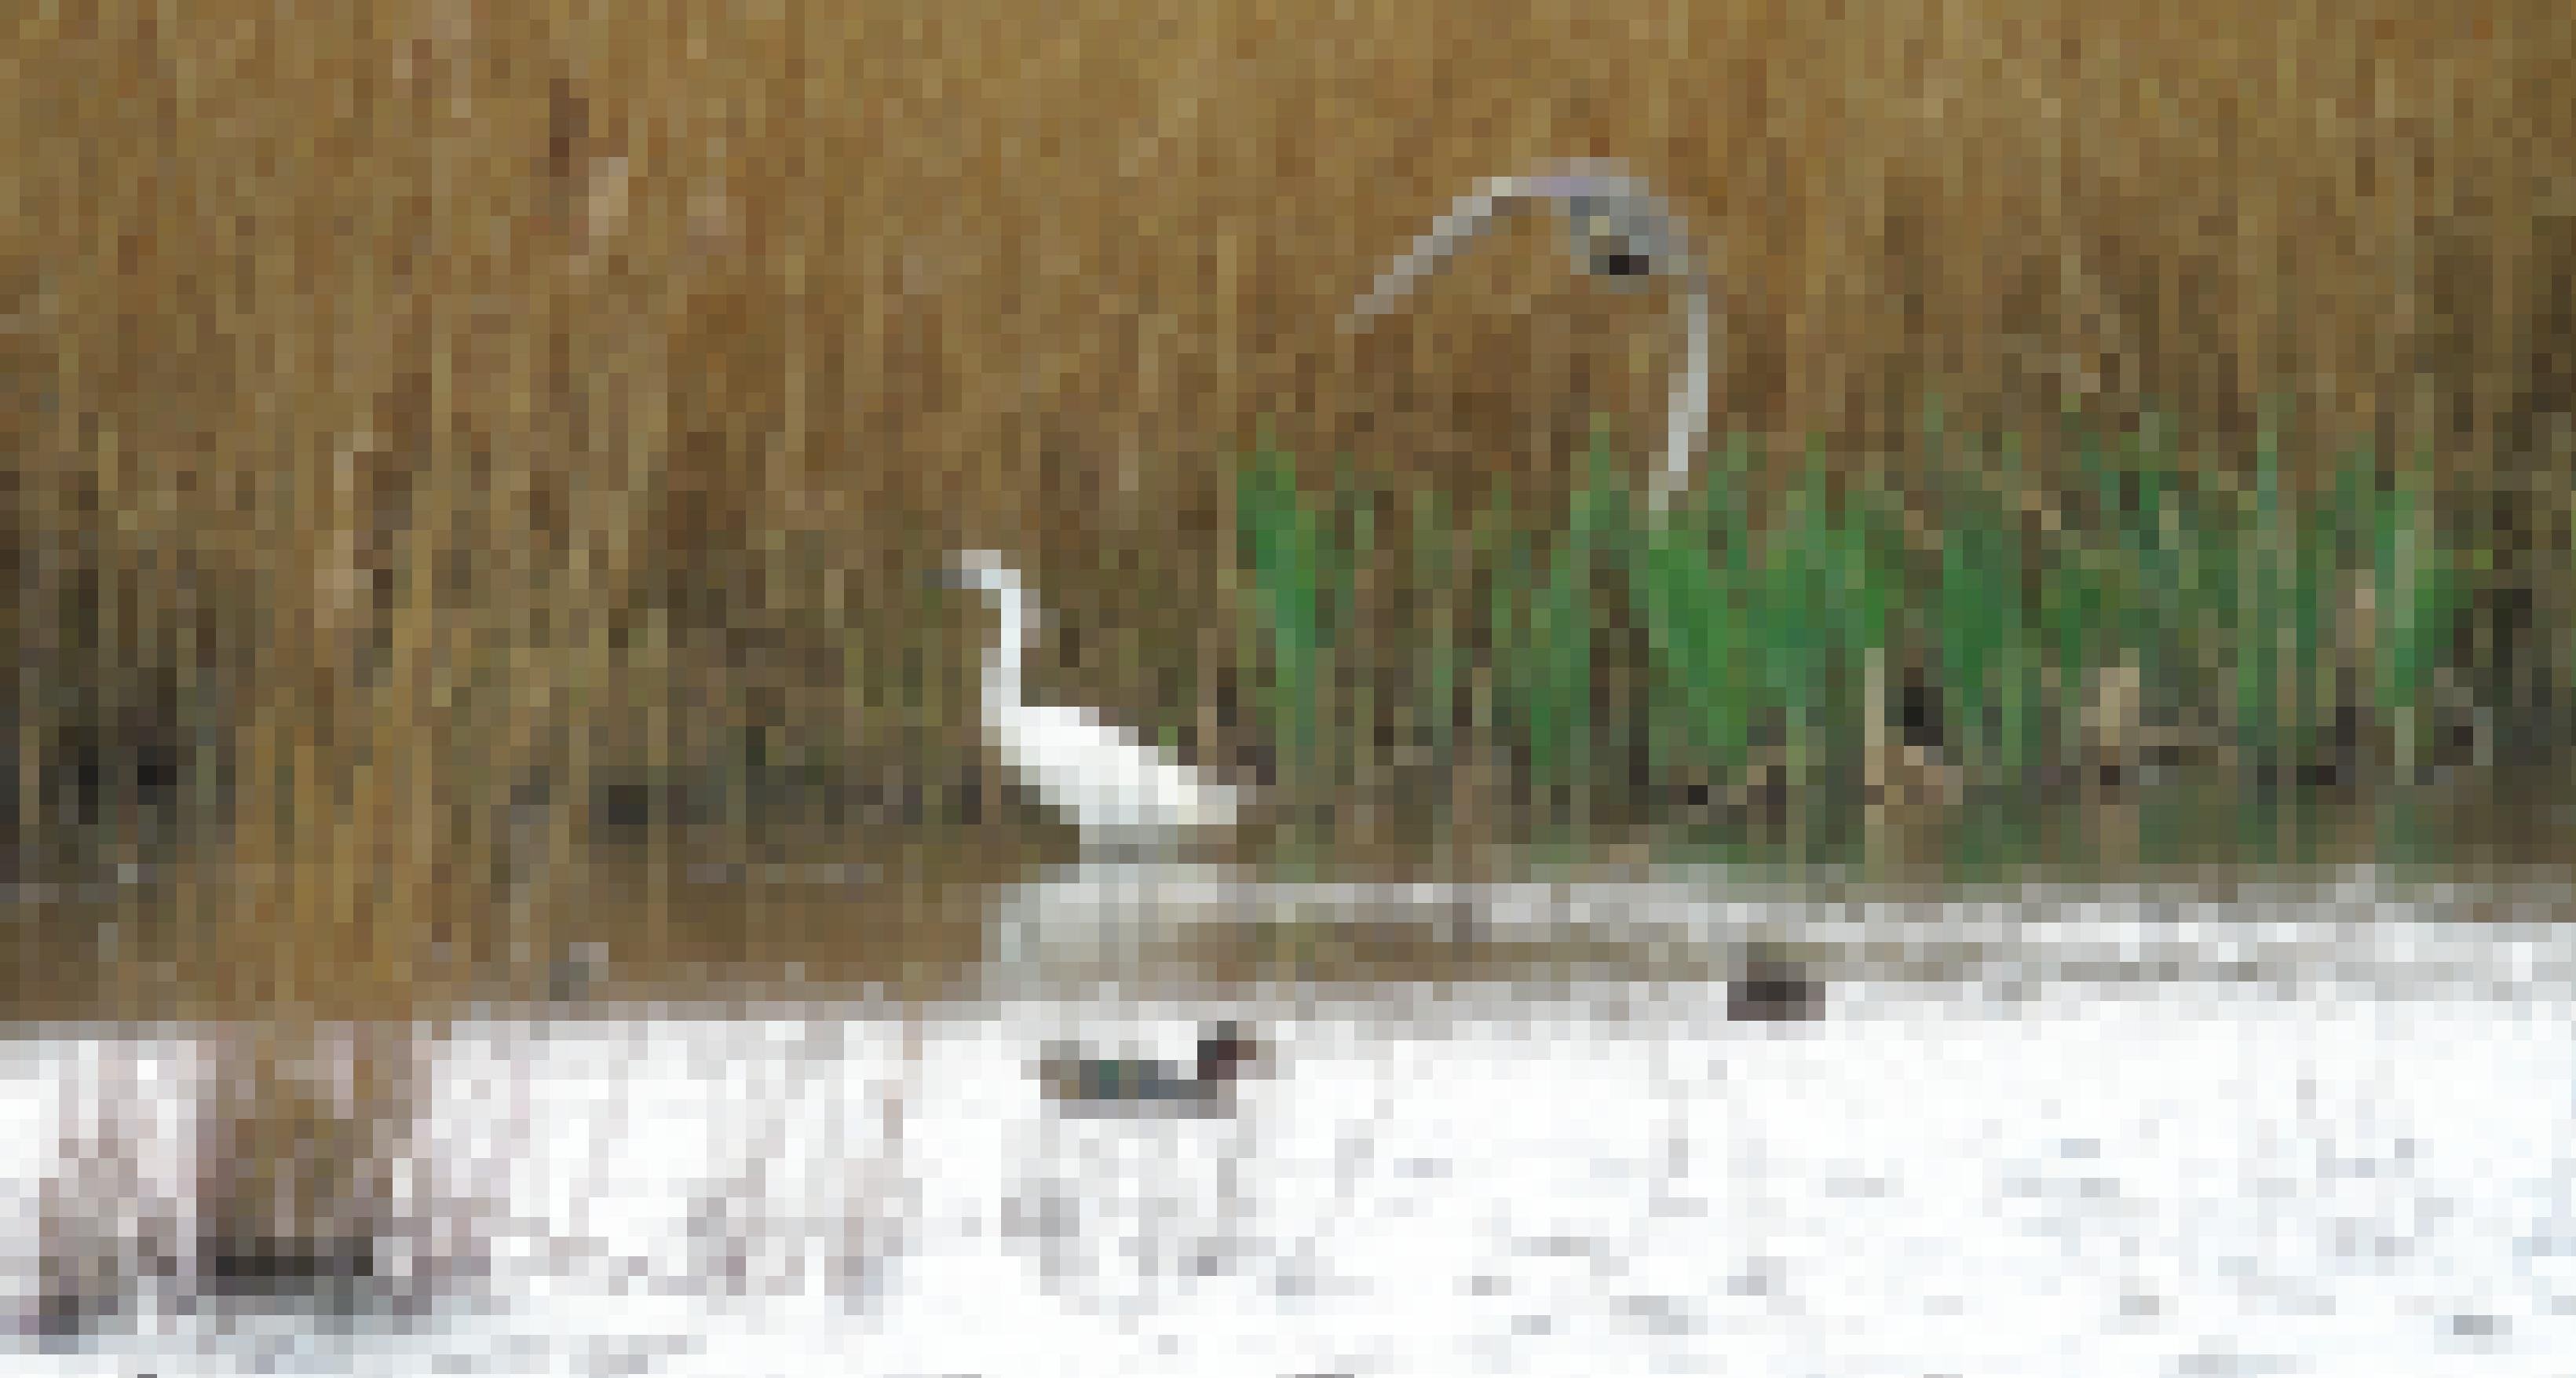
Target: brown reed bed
point(441, 408)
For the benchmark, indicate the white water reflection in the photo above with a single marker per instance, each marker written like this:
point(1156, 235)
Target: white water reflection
point(1095, 922)
point(2351, 1174)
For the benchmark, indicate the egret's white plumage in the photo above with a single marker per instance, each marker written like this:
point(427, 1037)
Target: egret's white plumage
point(1615, 228)
point(1117, 789)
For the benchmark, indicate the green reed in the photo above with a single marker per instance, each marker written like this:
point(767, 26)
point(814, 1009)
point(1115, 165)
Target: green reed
point(2221, 604)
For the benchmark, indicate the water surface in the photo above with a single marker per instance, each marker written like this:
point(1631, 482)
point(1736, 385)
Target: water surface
point(2313, 1125)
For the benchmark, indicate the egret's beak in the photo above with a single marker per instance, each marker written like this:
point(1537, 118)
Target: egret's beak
point(944, 577)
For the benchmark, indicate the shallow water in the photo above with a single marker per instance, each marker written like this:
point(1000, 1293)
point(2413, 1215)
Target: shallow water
point(2315, 1128)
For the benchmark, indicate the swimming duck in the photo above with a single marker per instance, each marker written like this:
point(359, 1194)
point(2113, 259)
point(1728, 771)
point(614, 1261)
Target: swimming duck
point(1772, 991)
point(1082, 1085)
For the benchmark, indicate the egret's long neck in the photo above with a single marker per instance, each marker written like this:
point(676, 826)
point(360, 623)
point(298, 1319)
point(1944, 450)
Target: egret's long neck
point(1002, 663)
point(1686, 419)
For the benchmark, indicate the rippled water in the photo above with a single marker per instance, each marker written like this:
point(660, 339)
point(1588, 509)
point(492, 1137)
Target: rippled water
point(2084, 1132)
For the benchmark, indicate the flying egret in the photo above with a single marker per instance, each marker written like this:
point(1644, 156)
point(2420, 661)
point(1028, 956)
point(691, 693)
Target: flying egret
point(1115, 788)
point(1616, 228)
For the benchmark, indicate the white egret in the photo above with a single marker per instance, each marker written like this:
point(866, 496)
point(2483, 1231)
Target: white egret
point(1118, 790)
point(1616, 228)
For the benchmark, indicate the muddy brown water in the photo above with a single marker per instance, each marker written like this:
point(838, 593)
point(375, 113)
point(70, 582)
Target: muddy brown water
point(910, 915)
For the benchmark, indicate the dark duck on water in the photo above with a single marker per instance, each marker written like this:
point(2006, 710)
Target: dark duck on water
point(1773, 991)
point(1096, 1086)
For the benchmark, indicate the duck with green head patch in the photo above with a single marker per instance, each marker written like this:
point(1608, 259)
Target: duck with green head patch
point(1095, 1086)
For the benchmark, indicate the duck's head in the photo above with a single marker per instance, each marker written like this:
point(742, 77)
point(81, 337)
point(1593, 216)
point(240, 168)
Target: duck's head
point(1226, 1052)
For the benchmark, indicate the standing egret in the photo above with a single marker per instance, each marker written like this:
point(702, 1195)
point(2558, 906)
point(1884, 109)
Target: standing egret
point(1616, 228)
point(1115, 788)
